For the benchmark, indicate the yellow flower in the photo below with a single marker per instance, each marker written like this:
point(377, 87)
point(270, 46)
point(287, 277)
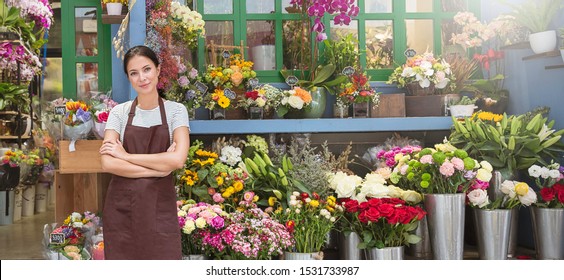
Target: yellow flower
point(203, 153)
point(223, 102)
point(238, 186)
point(255, 198)
point(271, 201)
point(489, 116)
point(219, 180)
point(230, 189)
point(521, 188)
point(314, 203)
point(67, 220)
point(226, 194)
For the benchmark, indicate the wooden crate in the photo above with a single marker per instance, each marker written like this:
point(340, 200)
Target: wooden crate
point(391, 105)
point(424, 106)
point(86, 158)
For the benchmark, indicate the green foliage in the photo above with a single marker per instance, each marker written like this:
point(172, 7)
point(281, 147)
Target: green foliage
point(465, 100)
point(15, 95)
point(321, 78)
point(535, 15)
point(10, 18)
point(342, 53)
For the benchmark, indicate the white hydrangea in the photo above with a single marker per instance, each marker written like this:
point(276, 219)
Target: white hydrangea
point(230, 155)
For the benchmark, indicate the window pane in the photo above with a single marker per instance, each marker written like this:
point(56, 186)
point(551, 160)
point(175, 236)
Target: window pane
point(53, 79)
point(346, 49)
point(420, 34)
point(218, 7)
point(448, 28)
point(378, 6)
point(379, 44)
point(260, 6)
point(341, 31)
point(218, 33)
point(296, 43)
point(454, 5)
point(287, 8)
point(86, 80)
point(260, 39)
point(419, 6)
point(86, 39)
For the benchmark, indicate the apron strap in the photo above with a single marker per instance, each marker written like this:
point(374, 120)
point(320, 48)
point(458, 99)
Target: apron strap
point(163, 113)
point(132, 112)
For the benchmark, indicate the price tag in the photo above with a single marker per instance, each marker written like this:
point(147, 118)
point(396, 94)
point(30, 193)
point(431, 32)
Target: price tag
point(56, 238)
point(348, 71)
point(254, 82)
point(229, 93)
point(201, 87)
point(410, 53)
point(190, 94)
point(60, 110)
point(292, 80)
point(226, 54)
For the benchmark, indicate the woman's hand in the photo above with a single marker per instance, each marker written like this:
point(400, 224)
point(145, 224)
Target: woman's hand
point(172, 147)
point(114, 148)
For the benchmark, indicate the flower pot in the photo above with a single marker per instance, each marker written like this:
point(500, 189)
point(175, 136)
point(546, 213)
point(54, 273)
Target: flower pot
point(462, 111)
point(264, 57)
point(28, 201)
point(18, 204)
point(227, 114)
point(493, 231)
point(194, 257)
point(31, 175)
point(548, 230)
point(386, 253)
point(303, 256)
point(114, 9)
point(317, 105)
point(414, 89)
point(256, 113)
point(41, 190)
point(6, 207)
point(361, 110)
point(348, 246)
point(340, 111)
point(494, 193)
point(422, 249)
point(445, 217)
point(542, 42)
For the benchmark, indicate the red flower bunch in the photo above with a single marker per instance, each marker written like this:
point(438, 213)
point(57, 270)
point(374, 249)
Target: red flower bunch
point(488, 57)
point(383, 222)
point(554, 195)
point(252, 94)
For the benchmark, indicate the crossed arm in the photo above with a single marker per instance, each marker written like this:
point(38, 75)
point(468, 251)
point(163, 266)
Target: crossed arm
point(117, 161)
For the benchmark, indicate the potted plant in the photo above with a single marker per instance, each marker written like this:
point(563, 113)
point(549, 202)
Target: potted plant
point(463, 108)
point(537, 16)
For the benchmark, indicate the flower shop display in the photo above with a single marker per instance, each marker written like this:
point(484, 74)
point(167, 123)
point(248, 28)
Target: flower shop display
point(294, 101)
point(464, 108)
point(71, 240)
point(422, 74)
point(235, 76)
point(548, 214)
point(309, 220)
point(198, 221)
point(493, 219)
point(101, 105)
point(261, 102)
point(184, 89)
point(187, 25)
point(77, 120)
point(358, 93)
point(249, 233)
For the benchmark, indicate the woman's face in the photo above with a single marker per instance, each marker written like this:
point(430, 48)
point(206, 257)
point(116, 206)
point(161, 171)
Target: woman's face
point(143, 74)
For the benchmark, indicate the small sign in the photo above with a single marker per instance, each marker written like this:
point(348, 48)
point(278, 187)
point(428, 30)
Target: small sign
point(226, 54)
point(229, 93)
point(254, 82)
point(348, 71)
point(201, 87)
point(410, 53)
point(60, 110)
point(292, 80)
point(57, 238)
point(190, 94)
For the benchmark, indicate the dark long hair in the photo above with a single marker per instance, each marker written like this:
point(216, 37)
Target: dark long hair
point(141, 51)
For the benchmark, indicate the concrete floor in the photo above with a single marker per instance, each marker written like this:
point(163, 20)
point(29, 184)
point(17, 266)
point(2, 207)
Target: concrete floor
point(22, 240)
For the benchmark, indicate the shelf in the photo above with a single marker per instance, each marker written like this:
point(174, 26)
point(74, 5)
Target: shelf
point(11, 137)
point(541, 55)
point(554, 67)
point(111, 19)
point(328, 125)
point(517, 46)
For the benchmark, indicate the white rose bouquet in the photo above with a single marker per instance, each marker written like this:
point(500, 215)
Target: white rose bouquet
point(516, 194)
point(294, 99)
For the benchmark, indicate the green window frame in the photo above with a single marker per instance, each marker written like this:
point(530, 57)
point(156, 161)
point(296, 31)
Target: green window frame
point(71, 59)
point(239, 17)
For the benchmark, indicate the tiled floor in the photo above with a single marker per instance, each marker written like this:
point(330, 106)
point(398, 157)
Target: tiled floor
point(22, 239)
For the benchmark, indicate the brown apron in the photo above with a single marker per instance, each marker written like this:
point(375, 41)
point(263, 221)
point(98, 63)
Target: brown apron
point(140, 220)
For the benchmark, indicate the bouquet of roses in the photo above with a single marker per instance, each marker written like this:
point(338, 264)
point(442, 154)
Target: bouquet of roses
point(100, 106)
point(550, 181)
point(309, 220)
point(250, 233)
point(516, 194)
point(77, 230)
point(266, 96)
point(294, 99)
point(197, 220)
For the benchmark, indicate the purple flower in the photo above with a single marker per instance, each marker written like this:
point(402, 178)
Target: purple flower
point(193, 73)
point(318, 26)
point(321, 37)
point(340, 6)
point(342, 19)
point(353, 12)
point(183, 81)
point(316, 10)
point(217, 222)
point(83, 116)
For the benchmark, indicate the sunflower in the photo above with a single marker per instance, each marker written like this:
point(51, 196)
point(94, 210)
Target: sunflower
point(223, 102)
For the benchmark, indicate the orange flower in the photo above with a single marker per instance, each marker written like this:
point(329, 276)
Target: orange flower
point(236, 78)
point(303, 94)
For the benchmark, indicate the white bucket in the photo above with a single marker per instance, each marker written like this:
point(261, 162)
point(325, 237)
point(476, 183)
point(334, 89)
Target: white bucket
point(542, 42)
point(41, 191)
point(18, 203)
point(462, 111)
point(114, 9)
point(28, 201)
